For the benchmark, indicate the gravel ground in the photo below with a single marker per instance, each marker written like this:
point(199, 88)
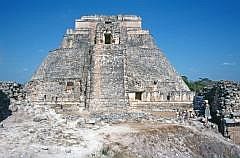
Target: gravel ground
point(38, 132)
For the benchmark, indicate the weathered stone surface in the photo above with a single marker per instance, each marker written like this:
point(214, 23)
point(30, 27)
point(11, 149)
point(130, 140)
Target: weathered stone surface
point(141, 134)
point(168, 141)
point(224, 98)
point(13, 107)
point(10, 94)
point(225, 108)
point(106, 64)
point(13, 90)
point(39, 118)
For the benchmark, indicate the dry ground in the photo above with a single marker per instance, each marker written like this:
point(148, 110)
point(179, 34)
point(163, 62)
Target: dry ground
point(51, 136)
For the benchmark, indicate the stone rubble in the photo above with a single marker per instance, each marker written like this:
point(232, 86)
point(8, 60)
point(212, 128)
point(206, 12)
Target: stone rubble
point(224, 100)
point(11, 95)
point(107, 92)
point(13, 90)
point(38, 131)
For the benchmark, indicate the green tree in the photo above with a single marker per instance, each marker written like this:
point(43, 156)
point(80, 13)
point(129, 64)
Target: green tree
point(198, 85)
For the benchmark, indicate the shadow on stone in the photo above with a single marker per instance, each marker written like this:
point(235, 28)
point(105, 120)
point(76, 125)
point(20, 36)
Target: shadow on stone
point(4, 106)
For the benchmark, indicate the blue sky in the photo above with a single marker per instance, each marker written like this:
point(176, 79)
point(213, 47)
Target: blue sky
point(201, 38)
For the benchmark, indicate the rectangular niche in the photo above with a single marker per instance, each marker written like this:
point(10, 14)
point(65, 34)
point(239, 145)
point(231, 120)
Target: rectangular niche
point(138, 95)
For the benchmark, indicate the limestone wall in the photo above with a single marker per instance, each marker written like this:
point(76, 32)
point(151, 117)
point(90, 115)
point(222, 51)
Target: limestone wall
point(56, 91)
point(149, 73)
point(61, 79)
point(104, 63)
point(224, 100)
point(157, 96)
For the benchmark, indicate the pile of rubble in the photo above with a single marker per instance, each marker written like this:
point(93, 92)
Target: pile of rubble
point(168, 141)
point(225, 98)
point(122, 117)
point(13, 90)
point(35, 130)
point(38, 131)
point(11, 93)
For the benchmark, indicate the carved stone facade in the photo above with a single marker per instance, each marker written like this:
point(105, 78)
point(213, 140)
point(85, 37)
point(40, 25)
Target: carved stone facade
point(108, 63)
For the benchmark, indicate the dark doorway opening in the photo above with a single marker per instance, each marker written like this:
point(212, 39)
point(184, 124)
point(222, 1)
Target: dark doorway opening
point(108, 38)
point(69, 83)
point(138, 96)
point(70, 86)
point(154, 82)
point(168, 98)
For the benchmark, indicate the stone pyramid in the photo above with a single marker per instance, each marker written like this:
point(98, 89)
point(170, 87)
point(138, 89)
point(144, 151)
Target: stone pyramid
point(108, 63)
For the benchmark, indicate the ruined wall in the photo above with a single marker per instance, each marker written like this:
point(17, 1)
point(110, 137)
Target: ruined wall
point(224, 100)
point(10, 92)
point(13, 90)
point(234, 133)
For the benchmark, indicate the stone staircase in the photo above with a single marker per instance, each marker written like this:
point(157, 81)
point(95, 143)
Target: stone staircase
point(107, 78)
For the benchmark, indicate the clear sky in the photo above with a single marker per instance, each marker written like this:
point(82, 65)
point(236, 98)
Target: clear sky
point(201, 38)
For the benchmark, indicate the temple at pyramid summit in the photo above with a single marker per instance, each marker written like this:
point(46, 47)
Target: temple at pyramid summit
point(108, 63)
